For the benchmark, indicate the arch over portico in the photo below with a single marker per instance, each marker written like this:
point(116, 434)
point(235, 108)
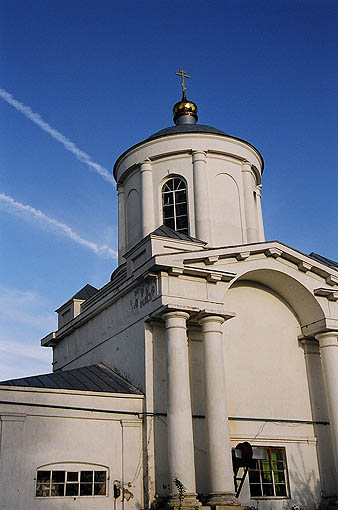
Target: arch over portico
point(314, 324)
point(305, 306)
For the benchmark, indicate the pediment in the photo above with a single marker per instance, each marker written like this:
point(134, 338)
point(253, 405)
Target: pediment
point(227, 263)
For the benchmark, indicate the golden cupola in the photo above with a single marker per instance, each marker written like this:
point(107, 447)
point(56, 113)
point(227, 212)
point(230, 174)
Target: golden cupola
point(185, 111)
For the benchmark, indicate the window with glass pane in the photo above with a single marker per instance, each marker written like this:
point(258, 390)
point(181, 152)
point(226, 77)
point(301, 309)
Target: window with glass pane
point(175, 206)
point(268, 478)
point(71, 483)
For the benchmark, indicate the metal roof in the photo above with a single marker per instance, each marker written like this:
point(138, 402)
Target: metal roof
point(323, 260)
point(187, 128)
point(97, 377)
point(165, 231)
point(86, 292)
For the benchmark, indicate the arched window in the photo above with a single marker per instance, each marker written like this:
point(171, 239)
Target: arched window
point(175, 206)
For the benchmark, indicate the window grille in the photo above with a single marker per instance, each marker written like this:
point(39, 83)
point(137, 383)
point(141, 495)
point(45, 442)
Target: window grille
point(268, 478)
point(175, 206)
point(70, 483)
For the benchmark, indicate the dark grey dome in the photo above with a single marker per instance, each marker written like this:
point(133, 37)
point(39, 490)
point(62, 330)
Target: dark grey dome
point(186, 128)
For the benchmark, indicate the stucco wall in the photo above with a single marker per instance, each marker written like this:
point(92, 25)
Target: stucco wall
point(115, 336)
point(222, 191)
point(66, 439)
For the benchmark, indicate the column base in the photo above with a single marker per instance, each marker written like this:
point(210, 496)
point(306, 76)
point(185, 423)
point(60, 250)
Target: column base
point(189, 502)
point(221, 501)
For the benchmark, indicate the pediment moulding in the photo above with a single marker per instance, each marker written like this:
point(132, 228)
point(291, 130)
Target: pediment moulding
point(330, 294)
point(274, 249)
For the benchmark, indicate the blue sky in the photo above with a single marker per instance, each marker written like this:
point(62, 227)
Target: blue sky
point(101, 74)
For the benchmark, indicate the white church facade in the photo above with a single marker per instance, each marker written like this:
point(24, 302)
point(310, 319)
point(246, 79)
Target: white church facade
point(206, 337)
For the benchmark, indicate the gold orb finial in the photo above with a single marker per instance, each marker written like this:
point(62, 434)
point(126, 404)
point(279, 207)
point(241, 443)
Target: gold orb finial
point(185, 107)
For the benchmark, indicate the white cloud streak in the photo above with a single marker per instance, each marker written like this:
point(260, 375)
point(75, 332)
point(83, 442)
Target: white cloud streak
point(68, 145)
point(102, 249)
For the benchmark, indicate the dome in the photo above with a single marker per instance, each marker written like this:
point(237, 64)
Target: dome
point(186, 128)
point(185, 108)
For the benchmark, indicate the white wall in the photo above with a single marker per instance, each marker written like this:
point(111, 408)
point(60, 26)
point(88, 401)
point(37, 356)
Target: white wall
point(228, 201)
point(72, 439)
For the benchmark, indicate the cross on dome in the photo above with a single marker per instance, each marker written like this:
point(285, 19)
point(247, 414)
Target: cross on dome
point(183, 75)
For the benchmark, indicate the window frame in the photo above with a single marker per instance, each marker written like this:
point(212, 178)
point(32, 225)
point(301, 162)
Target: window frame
point(285, 471)
point(67, 468)
point(169, 178)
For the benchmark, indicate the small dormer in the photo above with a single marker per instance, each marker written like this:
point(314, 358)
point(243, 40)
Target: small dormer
point(72, 308)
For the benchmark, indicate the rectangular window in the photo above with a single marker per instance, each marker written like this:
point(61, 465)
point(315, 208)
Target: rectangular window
point(71, 483)
point(268, 477)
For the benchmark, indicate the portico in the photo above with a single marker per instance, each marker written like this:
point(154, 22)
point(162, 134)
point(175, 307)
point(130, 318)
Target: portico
point(179, 413)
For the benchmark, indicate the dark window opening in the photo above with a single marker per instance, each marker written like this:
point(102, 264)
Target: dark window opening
point(70, 483)
point(175, 206)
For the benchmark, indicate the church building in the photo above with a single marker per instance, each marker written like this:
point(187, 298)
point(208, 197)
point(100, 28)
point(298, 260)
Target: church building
point(204, 374)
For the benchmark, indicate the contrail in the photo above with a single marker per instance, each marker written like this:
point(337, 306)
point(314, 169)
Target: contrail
point(102, 249)
point(70, 146)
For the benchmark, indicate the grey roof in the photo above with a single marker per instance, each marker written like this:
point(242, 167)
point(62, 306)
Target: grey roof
point(324, 260)
point(186, 128)
point(165, 231)
point(92, 378)
point(86, 292)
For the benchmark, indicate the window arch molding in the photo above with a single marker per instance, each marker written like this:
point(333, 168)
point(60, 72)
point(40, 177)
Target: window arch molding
point(174, 203)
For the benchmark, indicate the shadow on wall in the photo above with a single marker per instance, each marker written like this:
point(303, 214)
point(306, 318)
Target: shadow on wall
point(306, 489)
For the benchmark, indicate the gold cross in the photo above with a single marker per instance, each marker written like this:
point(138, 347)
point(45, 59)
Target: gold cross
point(183, 74)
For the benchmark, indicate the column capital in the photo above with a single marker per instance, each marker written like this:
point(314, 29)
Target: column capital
point(246, 166)
point(199, 156)
point(327, 339)
point(309, 344)
point(175, 314)
point(119, 188)
point(212, 318)
point(145, 166)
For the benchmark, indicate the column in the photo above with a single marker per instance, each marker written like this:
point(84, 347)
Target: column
point(249, 202)
point(261, 236)
point(201, 198)
point(147, 198)
point(122, 222)
point(328, 345)
point(222, 490)
point(180, 431)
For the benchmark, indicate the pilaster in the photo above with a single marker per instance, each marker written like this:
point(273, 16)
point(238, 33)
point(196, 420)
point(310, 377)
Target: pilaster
point(11, 447)
point(201, 197)
point(261, 235)
point(147, 198)
point(249, 203)
point(122, 223)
